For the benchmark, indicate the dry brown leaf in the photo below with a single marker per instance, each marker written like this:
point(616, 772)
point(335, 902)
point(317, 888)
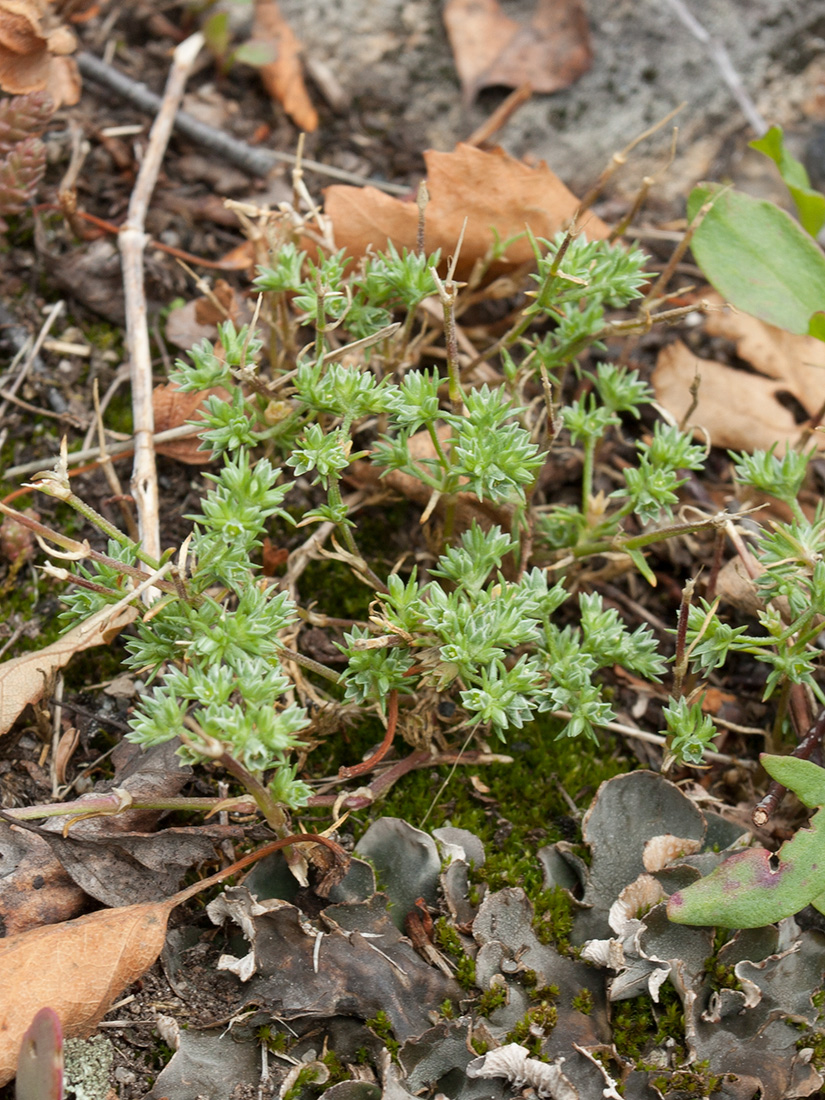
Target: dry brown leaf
point(491, 189)
point(77, 968)
point(284, 77)
point(23, 679)
point(550, 52)
point(37, 889)
point(797, 362)
point(33, 45)
point(742, 411)
point(174, 407)
point(736, 409)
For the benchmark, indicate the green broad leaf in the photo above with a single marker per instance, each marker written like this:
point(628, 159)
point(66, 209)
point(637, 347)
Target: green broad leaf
point(816, 326)
point(758, 887)
point(758, 258)
point(810, 204)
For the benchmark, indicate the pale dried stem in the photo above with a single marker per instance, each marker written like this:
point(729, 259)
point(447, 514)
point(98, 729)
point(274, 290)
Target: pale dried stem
point(109, 470)
point(114, 450)
point(32, 354)
point(132, 243)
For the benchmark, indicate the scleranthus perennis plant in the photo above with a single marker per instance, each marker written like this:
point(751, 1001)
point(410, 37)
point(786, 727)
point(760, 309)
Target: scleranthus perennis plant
point(481, 626)
point(215, 639)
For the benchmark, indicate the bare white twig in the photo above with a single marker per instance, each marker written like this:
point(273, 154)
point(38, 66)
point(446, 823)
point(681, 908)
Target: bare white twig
point(126, 446)
point(132, 244)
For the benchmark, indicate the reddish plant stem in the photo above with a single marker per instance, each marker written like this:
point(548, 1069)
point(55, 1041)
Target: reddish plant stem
point(812, 740)
point(253, 857)
point(383, 748)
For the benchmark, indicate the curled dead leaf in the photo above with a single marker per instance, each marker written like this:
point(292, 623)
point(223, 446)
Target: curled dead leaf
point(283, 78)
point(33, 48)
point(740, 410)
point(23, 679)
point(497, 194)
point(174, 407)
point(550, 52)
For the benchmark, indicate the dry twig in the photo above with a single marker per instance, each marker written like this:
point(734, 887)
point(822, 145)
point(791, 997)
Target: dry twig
point(132, 244)
point(257, 162)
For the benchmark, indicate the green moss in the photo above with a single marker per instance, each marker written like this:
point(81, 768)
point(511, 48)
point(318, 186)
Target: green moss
point(545, 993)
point(337, 1070)
point(277, 1042)
point(542, 1018)
point(553, 917)
point(381, 1027)
point(446, 1010)
point(535, 821)
point(695, 1081)
point(307, 1076)
point(449, 941)
point(490, 1000)
point(465, 972)
point(639, 1025)
point(447, 938)
point(322, 578)
point(583, 1001)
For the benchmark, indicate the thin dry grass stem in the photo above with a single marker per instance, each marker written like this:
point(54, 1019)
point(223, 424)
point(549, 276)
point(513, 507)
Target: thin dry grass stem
point(422, 197)
point(680, 664)
point(382, 750)
point(110, 473)
point(694, 400)
point(752, 567)
point(658, 739)
point(658, 288)
point(115, 450)
point(204, 288)
point(36, 410)
point(132, 245)
point(252, 160)
point(57, 723)
point(501, 115)
point(642, 194)
point(29, 359)
point(618, 160)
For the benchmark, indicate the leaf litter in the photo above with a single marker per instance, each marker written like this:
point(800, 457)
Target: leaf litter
point(444, 1045)
point(549, 52)
point(498, 195)
point(783, 366)
point(319, 974)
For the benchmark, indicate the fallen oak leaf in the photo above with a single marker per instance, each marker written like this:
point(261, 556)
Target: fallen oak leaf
point(283, 78)
point(23, 679)
point(92, 959)
point(494, 192)
point(738, 411)
point(745, 412)
point(550, 52)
